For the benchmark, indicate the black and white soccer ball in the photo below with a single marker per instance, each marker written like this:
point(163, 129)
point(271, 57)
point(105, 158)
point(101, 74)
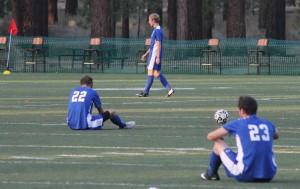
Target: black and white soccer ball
point(221, 116)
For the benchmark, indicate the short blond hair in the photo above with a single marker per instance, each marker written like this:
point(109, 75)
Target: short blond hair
point(155, 17)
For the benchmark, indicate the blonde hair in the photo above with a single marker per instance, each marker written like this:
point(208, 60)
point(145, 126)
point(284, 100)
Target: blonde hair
point(155, 17)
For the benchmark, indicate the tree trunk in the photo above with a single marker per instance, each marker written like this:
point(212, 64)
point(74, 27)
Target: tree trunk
point(281, 12)
point(208, 19)
point(262, 14)
point(139, 22)
point(115, 6)
point(194, 19)
point(100, 18)
point(155, 6)
point(275, 19)
point(172, 19)
point(52, 12)
point(71, 7)
point(125, 18)
point(291, 2)
point(236, 27)
point(2, 8)
point(17, 14)
point(182, 18)
point(225, 9)
point(35, 18)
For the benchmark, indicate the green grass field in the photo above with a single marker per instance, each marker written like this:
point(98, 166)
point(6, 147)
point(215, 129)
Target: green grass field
point(167, 148)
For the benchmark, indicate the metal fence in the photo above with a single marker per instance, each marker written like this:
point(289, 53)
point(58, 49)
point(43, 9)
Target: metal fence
point(180, 57)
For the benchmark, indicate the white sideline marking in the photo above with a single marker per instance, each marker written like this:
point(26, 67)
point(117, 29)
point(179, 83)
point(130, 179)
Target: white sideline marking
point(104, 147)
point(142, 186)
point(121, 153)
point(104, 153)
point(79, 156)
point(42, 124)
point(67, 162)
point(166, 151)
point(145, 148)
point(30, 157)
point(72, 183)
point(222, 87)
point(99, 163)
point(104, 134)
point(137, 89)
point(101, 134)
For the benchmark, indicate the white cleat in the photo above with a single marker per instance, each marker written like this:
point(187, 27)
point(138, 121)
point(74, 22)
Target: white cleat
point(130, 124)
point(170, 92)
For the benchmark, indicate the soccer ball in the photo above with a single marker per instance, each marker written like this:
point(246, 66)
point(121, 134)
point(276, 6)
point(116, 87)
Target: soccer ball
point(221, 116)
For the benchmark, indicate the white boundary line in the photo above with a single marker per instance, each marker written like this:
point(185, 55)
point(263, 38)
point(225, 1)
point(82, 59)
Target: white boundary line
point(139, 148)
point(143, 186)
point(137, 89)
point(67, 162)
point(104, 147)
point(105, 134)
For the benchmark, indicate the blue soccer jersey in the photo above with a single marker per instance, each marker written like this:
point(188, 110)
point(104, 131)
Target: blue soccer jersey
point(254, 139)
point(157, 35)
point(81, 102)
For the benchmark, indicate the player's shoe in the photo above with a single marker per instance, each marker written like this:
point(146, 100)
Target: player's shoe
point(170, 92)
point(142, 94)
point(206, 176)
point(130, 125)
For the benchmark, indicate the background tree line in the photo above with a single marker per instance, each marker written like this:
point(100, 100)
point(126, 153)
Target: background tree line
point(186, 19)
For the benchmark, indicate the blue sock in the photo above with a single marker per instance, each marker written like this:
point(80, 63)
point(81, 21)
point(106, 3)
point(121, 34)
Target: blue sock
point(148, 84)
point(214, 163)
point(117, 120)
point(164, 81)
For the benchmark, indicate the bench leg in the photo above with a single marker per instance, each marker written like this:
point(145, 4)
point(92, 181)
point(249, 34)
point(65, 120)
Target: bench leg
point(122, 64)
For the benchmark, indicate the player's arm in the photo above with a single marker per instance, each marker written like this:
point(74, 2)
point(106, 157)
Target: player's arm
point(276, 134)
point(145, 55)
point(158, 44)
point(100, 110)
point(97, 102)
point(217, 134)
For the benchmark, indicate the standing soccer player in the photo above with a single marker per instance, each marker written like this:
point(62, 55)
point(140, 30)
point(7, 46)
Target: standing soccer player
point(81, 102)
point(155, 53)
point(254, 160)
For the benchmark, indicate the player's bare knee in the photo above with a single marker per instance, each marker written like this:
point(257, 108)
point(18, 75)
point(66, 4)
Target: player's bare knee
point(219, 146)
point(112, 113)
point(150, 72)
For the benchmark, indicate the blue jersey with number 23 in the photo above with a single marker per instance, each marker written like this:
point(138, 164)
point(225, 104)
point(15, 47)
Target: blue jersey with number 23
point(254, 140)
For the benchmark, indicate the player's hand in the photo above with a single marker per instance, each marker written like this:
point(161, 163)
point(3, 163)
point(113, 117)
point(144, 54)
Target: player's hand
point(157, 60)
point(143, 57)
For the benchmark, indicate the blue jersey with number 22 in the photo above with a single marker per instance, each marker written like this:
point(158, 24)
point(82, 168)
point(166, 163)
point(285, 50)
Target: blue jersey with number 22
point(81, 102)
point(254, 140)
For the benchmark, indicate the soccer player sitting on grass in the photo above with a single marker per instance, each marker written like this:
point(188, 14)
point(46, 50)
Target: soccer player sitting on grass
point(81, 102)
point(254, 160)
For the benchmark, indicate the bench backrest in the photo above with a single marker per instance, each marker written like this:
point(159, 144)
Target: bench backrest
point(95, 41)
point(37, 41)
point(262, 43)
point(3, 40)
point(213, 42)
point(147, 42)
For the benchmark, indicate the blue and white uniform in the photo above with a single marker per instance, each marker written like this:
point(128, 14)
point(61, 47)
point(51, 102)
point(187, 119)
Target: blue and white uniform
point(254, 159)
point(157, 35)
point(81, 102)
